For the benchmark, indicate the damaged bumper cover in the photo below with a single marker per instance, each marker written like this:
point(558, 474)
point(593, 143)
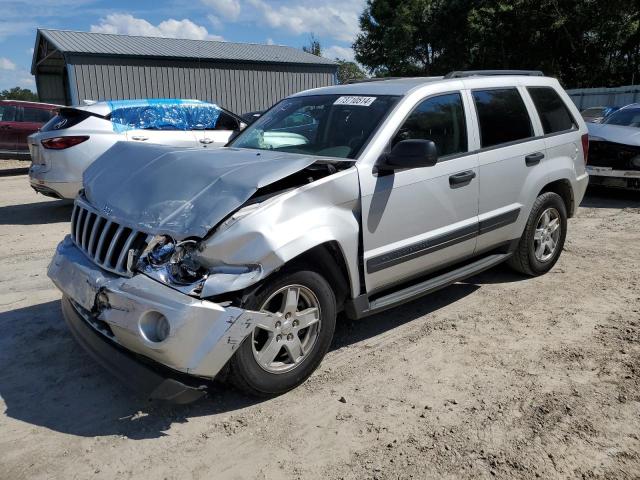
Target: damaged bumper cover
point(198, 336)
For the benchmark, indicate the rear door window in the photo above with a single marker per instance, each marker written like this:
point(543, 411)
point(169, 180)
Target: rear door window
point(502, 115)
point(553, 112)
point(439, 119)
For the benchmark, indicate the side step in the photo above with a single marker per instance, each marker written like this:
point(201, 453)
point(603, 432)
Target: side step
point(427, 286)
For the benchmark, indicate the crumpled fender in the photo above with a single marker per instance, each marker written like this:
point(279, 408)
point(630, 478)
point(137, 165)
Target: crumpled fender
point(285, 227)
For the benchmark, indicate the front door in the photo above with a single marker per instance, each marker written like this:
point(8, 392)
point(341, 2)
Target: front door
point(419, 220)
point(213, 127)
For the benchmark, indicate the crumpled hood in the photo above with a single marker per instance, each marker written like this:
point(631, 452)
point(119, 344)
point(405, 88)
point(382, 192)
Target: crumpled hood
point(615, 133)
point(181, 192)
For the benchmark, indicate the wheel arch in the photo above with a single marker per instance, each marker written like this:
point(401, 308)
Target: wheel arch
point(328, 260)
point(563, 188)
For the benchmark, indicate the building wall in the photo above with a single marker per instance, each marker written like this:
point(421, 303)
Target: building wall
point(51, 88)
point(604, 97)
point(238, 87)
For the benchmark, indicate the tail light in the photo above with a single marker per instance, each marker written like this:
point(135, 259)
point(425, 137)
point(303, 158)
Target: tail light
point(585, 147)
point(60, 143)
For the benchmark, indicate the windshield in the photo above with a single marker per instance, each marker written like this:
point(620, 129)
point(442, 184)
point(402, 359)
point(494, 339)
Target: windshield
point(326, 125)
point(593, 112)
point(628, 117)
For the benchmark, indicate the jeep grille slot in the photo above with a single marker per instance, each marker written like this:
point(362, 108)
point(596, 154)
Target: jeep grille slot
point(104, 241)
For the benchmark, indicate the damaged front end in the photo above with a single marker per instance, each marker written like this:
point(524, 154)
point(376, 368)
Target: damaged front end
point(153, 244)
point(614, 164)
point(614, 156)
point(163, 343)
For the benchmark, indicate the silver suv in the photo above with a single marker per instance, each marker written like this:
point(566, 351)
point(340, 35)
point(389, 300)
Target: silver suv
point(185, 265)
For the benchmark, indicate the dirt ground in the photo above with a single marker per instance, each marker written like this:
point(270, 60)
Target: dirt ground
point(499, 377)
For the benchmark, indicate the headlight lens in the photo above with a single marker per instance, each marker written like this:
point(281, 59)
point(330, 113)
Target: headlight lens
point(173, 262)
point(183, 268)
point(162, 251)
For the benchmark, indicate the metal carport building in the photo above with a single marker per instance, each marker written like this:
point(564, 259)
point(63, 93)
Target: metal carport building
point(70, 67)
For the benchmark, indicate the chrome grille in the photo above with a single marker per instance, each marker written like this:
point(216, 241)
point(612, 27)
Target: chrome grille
point(104, 241)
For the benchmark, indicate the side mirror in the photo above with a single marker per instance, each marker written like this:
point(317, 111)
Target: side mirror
point(409, 154)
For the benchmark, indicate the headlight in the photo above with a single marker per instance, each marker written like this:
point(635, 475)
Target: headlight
point(162, 250)
point(182, 267)
point(172, 262)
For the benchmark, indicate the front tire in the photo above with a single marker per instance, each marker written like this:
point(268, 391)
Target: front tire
point(543, 238)
point(276, 358)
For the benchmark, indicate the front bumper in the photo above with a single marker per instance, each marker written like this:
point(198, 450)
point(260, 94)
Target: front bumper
point(202, 335)
point(614, 178)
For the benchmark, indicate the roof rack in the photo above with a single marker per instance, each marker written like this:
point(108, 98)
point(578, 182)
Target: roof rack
point(370, 79)
point(483, 73)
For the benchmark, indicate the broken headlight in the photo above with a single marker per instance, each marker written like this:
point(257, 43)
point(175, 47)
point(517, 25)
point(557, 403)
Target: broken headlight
point(182, 266)
point(173, 262)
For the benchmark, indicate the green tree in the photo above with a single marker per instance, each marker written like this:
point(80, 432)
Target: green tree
point(582, 42)
point(313, 47)
point(349, 71)
point(17, 93)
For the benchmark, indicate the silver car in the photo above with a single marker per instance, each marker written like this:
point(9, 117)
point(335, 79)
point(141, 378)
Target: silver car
point(614, 147)
point(183, 266)
point(65, 146)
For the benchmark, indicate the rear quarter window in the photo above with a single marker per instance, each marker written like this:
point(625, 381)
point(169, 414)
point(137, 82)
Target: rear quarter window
point(553, 112)
point(66, 118)
point(502, 115)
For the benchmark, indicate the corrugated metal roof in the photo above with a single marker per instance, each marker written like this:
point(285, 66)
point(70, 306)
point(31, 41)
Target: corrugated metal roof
point(110, 44)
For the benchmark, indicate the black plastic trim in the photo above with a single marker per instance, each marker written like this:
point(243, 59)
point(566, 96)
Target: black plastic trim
point(424, 247)
point(153, 383)
point(499, 221)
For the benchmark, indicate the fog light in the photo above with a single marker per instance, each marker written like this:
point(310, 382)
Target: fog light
point(154, 327)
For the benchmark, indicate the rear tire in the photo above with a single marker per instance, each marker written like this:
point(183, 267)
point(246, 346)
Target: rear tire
point(264, 365)
point(543, 238)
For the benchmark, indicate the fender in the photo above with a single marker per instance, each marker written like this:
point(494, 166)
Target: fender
point(287, 226)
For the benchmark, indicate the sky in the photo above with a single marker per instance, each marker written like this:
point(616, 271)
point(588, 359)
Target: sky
point(281, 22)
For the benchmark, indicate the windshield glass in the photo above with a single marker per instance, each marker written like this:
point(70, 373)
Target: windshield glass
point(628, 117)
point(593, 112)
point(325, 125)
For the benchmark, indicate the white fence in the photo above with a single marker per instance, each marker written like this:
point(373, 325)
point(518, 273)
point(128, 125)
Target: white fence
point(601, 97)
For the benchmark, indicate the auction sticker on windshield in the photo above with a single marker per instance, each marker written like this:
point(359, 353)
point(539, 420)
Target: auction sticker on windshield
point(355, 101)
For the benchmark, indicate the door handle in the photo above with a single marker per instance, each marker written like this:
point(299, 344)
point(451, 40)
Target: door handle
point(461, 179)
point(139, 138)
point(206, 141)
point(533, 159)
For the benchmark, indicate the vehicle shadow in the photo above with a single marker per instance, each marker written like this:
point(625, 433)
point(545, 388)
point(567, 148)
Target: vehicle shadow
point(602, 197)
point(36, 213)
point(47, 380)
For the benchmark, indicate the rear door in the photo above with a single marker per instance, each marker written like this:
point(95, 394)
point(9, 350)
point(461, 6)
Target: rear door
point(8, 125)
point(511, 156)
point(420, 219)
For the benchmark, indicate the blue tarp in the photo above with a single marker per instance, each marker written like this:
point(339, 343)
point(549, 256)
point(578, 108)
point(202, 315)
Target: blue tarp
point(163, 114)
